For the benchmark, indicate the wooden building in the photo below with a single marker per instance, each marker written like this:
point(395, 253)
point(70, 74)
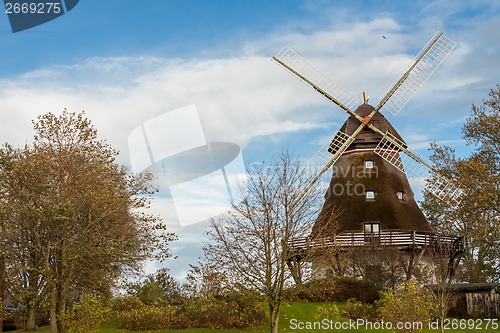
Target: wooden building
point(473, 300)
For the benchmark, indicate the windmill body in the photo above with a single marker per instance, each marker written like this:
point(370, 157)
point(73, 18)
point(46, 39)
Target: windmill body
point(366, 189)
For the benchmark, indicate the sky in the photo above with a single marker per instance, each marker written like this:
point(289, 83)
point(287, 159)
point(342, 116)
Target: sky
point(139, 67)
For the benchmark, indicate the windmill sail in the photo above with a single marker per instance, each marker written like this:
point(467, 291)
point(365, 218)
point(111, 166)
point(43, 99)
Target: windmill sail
point(426, 62)
point(309, 74)
point(394, 151)
point(328, 154)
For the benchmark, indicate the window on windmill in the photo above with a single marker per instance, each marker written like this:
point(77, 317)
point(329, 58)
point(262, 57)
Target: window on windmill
point(370, 195)
point(401, 195)
point(369, 164)
point(372, 227)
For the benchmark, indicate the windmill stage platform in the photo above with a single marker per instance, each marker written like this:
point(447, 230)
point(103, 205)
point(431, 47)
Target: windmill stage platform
point(404, 240)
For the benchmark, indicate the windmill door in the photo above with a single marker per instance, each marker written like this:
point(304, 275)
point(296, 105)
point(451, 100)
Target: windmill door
point(372, 233)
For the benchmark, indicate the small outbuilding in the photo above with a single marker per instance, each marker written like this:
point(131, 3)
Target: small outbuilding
point(476, 300)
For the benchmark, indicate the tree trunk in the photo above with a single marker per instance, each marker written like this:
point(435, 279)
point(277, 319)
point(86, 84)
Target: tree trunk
point(30, 322)
point(53, 311)
point(63, 290)
point(61, 322)
point(274, 316)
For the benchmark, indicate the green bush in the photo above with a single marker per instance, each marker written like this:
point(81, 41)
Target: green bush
point(315, 291)
point(150, 293)
point(86, 315)
point(358, 310)
point(334, 289)
point(252, 312)
point(146, 318)
point(328, 311)
point(208, 312)
point(363, 291)
point(235, 310)
point(127, 303)
point(410, 304)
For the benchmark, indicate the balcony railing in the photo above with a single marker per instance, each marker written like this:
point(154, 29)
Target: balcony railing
point(402, 239)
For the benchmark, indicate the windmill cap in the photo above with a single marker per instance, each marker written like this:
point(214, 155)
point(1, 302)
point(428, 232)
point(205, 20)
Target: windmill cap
point(367, 138)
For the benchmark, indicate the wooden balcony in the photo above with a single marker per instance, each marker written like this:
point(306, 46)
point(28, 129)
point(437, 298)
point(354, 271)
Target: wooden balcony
point(400, 239)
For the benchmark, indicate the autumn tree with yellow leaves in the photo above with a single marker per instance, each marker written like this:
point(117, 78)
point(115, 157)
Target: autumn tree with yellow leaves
point(72, 218)
point(477, 217)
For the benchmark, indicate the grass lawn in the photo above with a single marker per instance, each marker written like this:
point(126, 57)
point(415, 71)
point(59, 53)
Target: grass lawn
point(290, 313)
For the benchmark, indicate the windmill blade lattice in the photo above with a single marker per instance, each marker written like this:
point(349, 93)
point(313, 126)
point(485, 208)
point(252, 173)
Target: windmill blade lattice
point(390, 149)
point(426, 62)
point(293, 62)
point(328, 154)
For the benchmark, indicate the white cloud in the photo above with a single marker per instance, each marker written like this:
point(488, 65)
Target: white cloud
point(238, 98)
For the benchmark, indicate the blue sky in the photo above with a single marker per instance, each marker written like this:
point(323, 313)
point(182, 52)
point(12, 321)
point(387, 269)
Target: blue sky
point(128, 61)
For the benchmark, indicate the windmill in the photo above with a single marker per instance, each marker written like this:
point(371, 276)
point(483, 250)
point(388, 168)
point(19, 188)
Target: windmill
point(368, 141)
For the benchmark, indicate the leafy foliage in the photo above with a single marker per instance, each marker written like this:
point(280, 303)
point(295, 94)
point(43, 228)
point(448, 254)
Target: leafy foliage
point(211, 312)
point(159, 288)
point(477, 218)
point(359, 310)
point(122, 304)
point(234, 310)
point(85, 316)
point(334, 289)
point(327, 311)
point(73, 218)
point(410, 304)
point(147, 318)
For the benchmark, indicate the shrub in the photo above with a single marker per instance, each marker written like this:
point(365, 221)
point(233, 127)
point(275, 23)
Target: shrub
point(208, 312)
point(128, 303)
point(150, 293)
point(4, 314)
point(146, 318)
point(252, 312)
point(334, 289)
point(358, 310)
point(411, 304)
point(314, 291)
point(85, 316)
point(327, 311)
point(232, 311)
point(363, 291)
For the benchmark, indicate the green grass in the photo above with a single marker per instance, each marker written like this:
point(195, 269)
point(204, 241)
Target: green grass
point(293, 311)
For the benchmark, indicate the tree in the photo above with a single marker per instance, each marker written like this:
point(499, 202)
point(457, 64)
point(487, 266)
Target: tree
point(442, 291)
point(250, 243)
point(207, 280)
point(157, 289)
point(477, 217)
point(21, 236)
point(73, 218)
